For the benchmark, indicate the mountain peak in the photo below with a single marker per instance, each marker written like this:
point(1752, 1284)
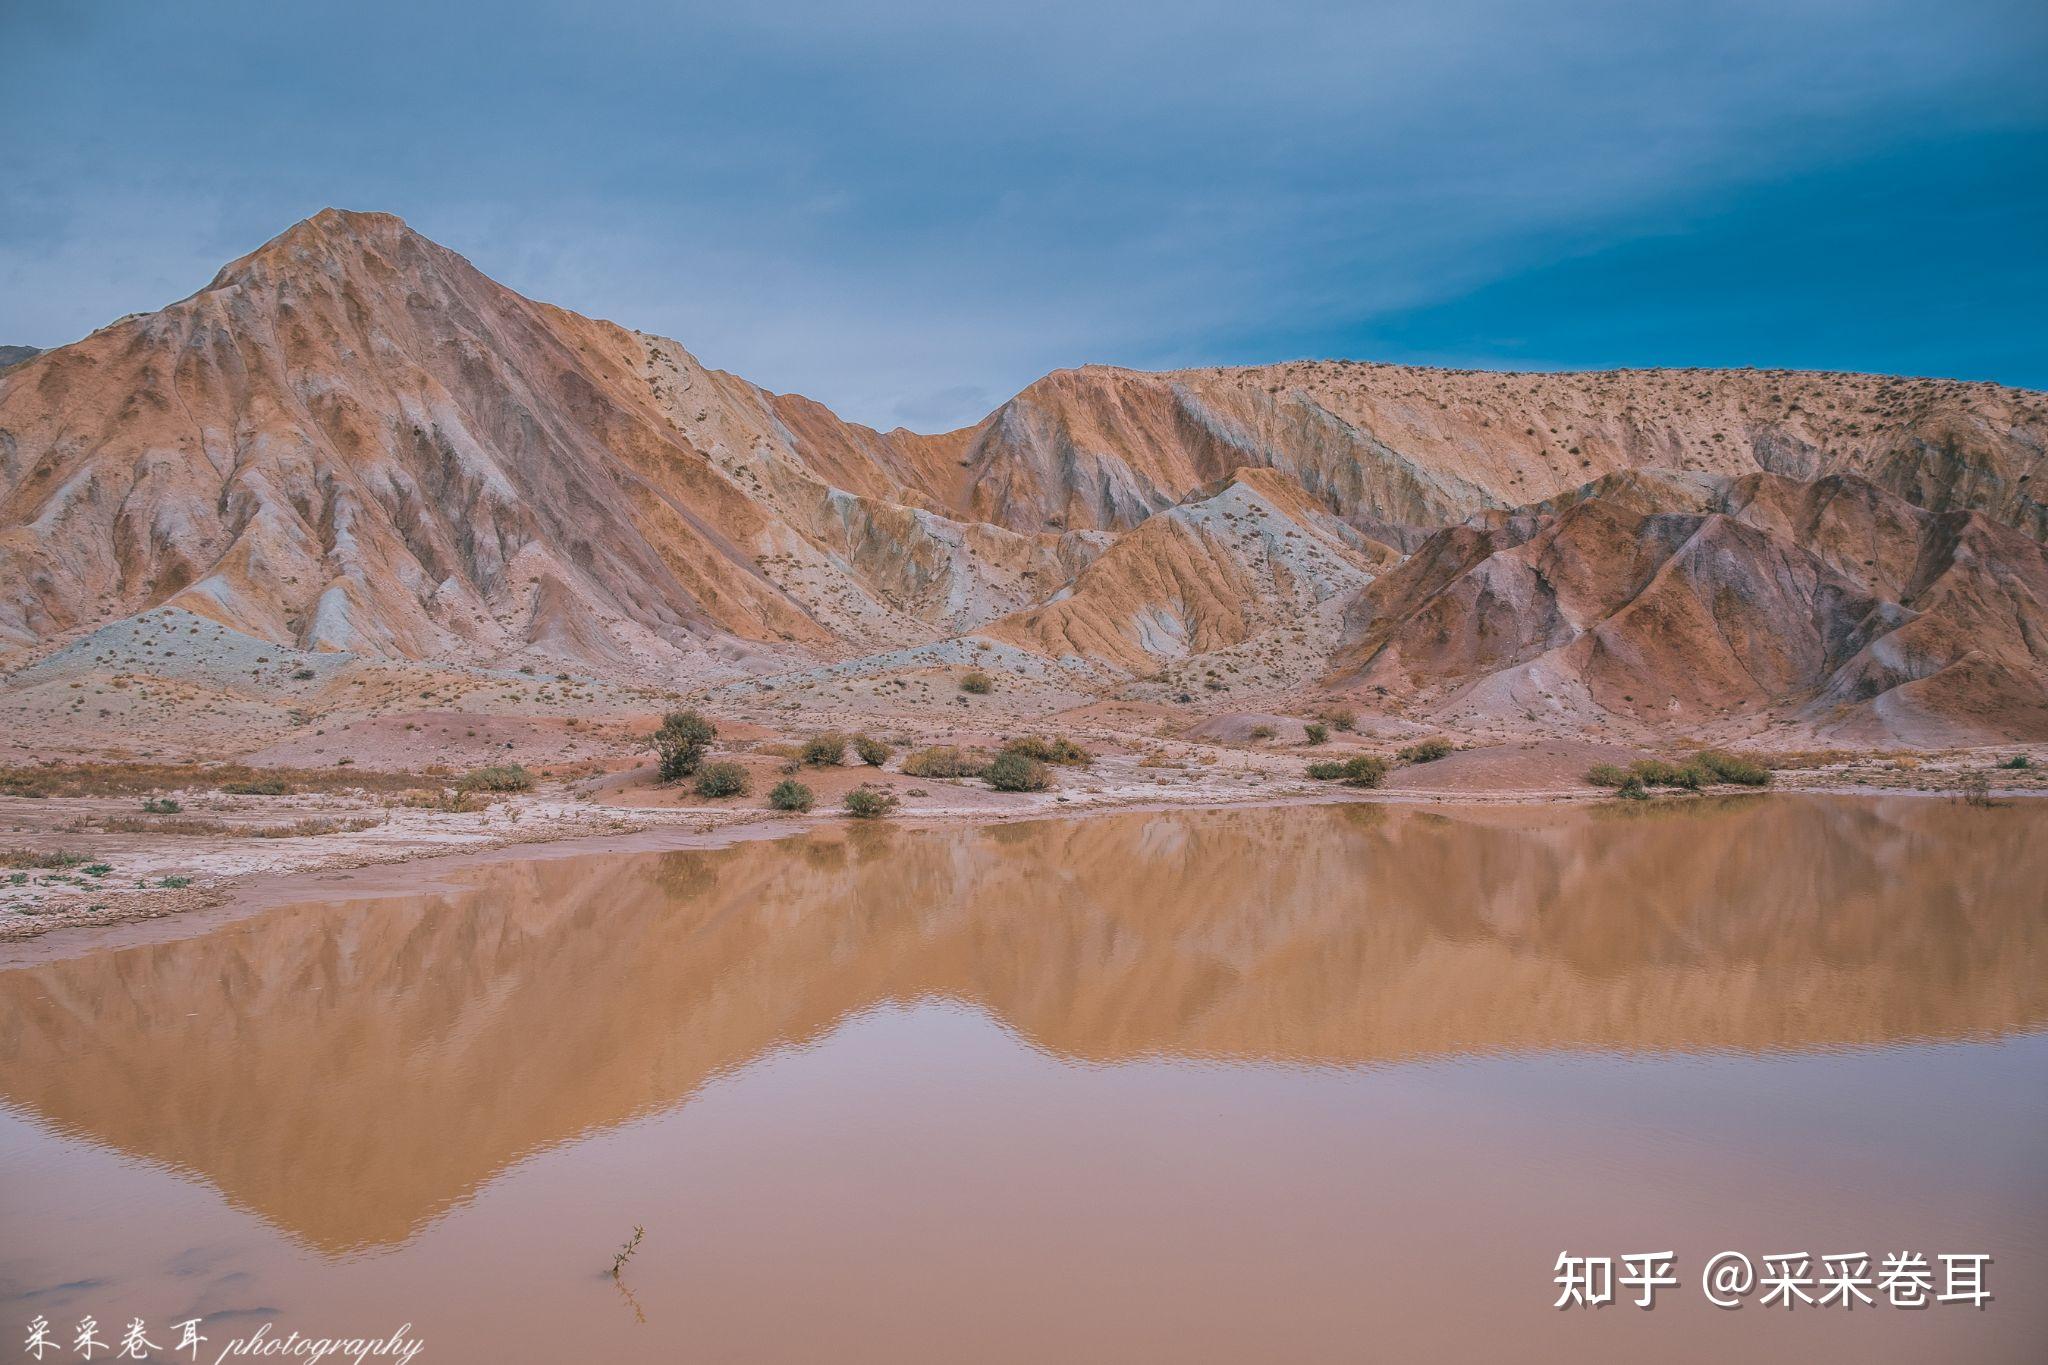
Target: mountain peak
point(332, 234)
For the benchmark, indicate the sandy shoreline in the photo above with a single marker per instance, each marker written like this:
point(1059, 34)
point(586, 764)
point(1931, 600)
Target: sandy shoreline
point(350, 867)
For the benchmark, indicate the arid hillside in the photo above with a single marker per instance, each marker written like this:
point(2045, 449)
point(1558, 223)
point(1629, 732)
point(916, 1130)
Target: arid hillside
point(353, 450)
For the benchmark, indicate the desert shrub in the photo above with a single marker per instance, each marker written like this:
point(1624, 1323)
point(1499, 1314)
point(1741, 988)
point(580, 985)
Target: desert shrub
point(1014, 772)
point(501, 777)
point(1726, 767)
point(722, 779)
point(1428, 751)
point(175, 883)
point(1263, 732)
point(1328, 771)
point(258, 786)
point(680, 743)
point(1342, 718)
point(1060, 750)
point(2017, 761)
point(943, 760)
point(825, 750)
point(1606, 775)
point(979, 683)
point(305, 675)
point(871, 751)
point(1364, 770)
point(871, 803)
point(1657, 772)
point(32, 857)
point(1317, 731)
point(1632, 789)
point(297, 829)
point(789, 794)
point(162, 805)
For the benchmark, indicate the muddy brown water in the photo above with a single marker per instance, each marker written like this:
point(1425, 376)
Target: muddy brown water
point(1315, 1084)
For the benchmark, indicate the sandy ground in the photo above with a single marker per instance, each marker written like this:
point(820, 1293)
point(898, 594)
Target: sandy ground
point(370, 752)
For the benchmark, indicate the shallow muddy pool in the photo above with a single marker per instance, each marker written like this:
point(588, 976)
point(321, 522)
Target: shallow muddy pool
point(1310, 1084)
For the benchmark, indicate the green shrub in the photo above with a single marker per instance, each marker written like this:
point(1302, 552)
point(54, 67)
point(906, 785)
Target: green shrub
point(506, 777)
point(1014, 772)
point(97, 869)
point(1428, 751)
point(979, 683)
point(1061, 750)
point(1631, 789)
point(943, 760)
point(826, 750)
point(1606, 775)
point(1726, 767)
point(162, 805)
point(1364, 770)
point(790, 794)
point(258, 786)
point(722, 779)
point(680, 743)
point(175, 883)
point(1317, 731)
point(1327, 771)
point(871, 751)
point(1657, 772)
point(871, 803)
point(2017, 761)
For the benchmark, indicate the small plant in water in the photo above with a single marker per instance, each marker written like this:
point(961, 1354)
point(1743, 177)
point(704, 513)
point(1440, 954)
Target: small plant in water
point(625, 1253)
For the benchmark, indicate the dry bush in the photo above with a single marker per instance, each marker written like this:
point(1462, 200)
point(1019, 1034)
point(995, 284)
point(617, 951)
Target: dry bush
point(943, 760)
point(1014, 772)
point(1058, 750)
point(871, 803)
point(791, 795)
point(140, 779)
point(298, 829)
point(826, 750)
point(722, 779)
point(1428, 751)
point(503, 777)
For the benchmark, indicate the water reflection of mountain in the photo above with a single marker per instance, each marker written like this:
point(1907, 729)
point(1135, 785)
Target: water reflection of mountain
point(347, 1071)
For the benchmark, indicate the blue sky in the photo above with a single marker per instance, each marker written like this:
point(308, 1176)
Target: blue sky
point(909, 209)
